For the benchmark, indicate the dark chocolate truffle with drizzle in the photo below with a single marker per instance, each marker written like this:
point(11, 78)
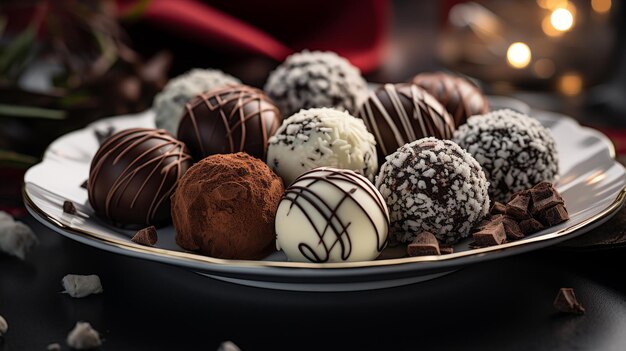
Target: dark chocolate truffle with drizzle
point(433, 185)
point(229, 119)
point(459, 96)
point(400, 113)
point(133, 175)
point(331, 215)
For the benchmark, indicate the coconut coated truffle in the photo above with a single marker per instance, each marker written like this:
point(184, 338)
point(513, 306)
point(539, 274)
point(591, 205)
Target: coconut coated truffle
point(433, 185)
point(224, 207)
point(321, 137)
point(170, 102)
point(515, 151)
point(316, 79)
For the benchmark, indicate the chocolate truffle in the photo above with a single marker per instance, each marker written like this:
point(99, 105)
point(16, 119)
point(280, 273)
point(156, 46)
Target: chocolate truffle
point(225, 205)
point(229, 119)
point(458, 95)
point(170, 102)
point(514, 150)
point(401, 113)
point(321, 137)
point(331, 215)
point(433, 185)
point(133, 175)
point(316, 79)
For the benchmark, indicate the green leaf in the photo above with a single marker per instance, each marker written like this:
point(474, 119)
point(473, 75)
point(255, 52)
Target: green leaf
point(11, 158)
point(16, 54)
point(30, 112)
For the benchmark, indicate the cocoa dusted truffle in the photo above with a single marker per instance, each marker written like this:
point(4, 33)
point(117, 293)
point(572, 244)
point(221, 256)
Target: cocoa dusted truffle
point(458, 95)
point(515, 151)
point(225, 205)
point(133, 175)
point(401, 113)
point(433, 185)
point(230, 119)
point(311, 79)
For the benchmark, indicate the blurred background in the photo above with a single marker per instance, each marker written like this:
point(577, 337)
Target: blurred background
point(66, 63)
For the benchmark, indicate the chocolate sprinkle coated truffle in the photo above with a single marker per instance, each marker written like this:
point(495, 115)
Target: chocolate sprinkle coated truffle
point(170, 102)
point(133, 175)
point(401, 113)
point(459, 96)
point(321, 137)
point(316, 79)
point(514, 150)
point(433, 185)
point(227, 120)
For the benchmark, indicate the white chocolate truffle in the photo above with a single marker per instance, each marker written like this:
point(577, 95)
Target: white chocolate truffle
point(83, 337)
point(321, 137)
point(514, 150)
point(311, 79)
point(170, 102)
point(81, 285)
point(433, 185)
point(16, 238)
point(331, 215)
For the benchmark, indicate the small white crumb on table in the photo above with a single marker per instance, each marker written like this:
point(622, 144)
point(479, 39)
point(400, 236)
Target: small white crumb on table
point(54, 347)
point(81, 285)
point(83, 337)
point(16, 238)
point(228, 346)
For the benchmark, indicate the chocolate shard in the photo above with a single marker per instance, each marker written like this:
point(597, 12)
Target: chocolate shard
point(146, 236)
point(544, 196)
point(518, 207)
point(490, 236)
point(482, 224)
point(530, 226)
point(103, 134)
point(446, 250)
point(497, 208)
point(525, 192)
point(424, 244)
point(566, 302)
point(68, 207)
point(512, 229)
point(553, 215)
point(84, 184)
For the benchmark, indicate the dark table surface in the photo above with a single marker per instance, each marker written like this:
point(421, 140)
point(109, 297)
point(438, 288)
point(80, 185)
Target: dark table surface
point(499, 305)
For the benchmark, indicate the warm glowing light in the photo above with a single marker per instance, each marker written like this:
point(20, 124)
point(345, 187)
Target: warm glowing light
point(562, 19)
point(552, 4)
point(547, 28)
point(518, 55)
point(601, 6)
point(544, 68)
point(570, 84)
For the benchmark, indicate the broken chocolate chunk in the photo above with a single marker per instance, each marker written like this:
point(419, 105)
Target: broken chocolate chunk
point(544, 196)
point(482, 224)
point(518, 207)
point(101, 135)
point(553, 215)
point(530, 226)
point(68, 207)
point(446, 250)
point(84, 184)
point(566, 302)
point(146, 236)
point(424, 244)
point(490, 235)
point(497, 208)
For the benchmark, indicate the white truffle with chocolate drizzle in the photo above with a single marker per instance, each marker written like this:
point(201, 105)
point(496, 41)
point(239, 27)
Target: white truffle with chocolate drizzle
point(331, 215)
point(400, 113)
point(514, 150)
point(321, 137)
point(433, 185)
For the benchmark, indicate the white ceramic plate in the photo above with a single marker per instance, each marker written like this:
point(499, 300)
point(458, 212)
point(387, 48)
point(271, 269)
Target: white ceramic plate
point(592, 184)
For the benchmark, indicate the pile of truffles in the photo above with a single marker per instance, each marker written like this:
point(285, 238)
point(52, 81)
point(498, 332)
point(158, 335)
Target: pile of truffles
point(320, 168)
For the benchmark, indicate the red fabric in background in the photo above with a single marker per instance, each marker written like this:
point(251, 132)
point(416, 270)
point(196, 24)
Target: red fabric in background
point(355, 29)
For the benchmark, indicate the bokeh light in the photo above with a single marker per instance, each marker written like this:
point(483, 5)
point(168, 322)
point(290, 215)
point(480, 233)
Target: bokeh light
point(518, 55)
point(562, 19)
point(544, 68)
point(547, 28)
point(570, 84)
point(601, 6)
